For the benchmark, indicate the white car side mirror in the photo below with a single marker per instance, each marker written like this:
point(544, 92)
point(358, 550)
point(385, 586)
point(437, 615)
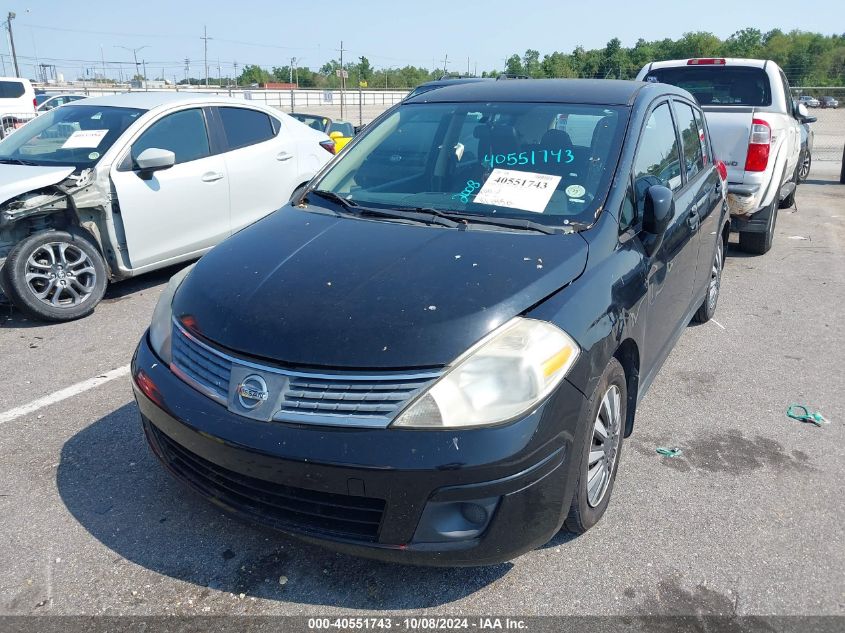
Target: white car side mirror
point(155, 159)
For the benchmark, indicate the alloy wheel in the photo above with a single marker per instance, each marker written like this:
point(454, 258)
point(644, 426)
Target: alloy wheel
point(715, 277)
point(604, 446)
point(804, 170)
point(60, 274)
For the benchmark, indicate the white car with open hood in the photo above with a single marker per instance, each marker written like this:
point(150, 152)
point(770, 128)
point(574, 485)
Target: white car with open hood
point(111, 187)
point(756, 130)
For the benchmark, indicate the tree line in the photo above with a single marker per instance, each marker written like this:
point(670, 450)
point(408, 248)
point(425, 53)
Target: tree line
point(809, 59)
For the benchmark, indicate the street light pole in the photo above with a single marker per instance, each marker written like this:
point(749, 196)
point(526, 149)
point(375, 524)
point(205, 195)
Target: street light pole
point(9, 19)
point(135, 55)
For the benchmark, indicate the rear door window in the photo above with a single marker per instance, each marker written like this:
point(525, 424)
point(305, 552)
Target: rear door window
point(11, 89)
point(244, 127)
point(658, 160)
point(691, 135)
point(719, 85)
point(702, 132)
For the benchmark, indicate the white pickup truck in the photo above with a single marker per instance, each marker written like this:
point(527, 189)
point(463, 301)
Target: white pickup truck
point(755, 128)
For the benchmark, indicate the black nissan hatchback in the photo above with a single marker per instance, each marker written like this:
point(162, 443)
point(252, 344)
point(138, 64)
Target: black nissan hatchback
point(432, 355)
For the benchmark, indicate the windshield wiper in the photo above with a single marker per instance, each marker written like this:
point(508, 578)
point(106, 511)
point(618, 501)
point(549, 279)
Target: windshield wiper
point(349, 205)
point(16, 161)
point(517, 223)
point(426, 216)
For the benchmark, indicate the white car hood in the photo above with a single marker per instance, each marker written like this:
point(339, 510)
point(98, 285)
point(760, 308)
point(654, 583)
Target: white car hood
point(18, 179)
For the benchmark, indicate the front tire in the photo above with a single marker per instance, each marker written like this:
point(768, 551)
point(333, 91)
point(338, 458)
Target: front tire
point(600, 450)
point(55, 276)
point(804, 167)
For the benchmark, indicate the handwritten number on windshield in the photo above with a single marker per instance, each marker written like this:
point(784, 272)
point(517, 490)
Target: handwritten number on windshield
point(533, 157)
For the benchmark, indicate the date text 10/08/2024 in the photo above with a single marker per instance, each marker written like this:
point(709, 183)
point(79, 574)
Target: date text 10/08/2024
point(533, 157)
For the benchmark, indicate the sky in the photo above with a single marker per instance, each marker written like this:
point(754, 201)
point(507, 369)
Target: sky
point(77, 37)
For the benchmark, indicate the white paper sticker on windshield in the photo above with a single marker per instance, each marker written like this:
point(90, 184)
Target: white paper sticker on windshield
point(518, 190)
point(84, 138)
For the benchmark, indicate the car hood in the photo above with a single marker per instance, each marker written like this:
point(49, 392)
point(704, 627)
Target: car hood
point(18, 179)
point(309, 289)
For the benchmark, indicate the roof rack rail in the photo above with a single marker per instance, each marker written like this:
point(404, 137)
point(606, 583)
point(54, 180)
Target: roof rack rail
point(456, 76)
point(511, 76)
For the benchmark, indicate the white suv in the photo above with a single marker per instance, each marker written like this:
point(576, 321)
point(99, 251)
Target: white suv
point(17, 104)
point(755, 127)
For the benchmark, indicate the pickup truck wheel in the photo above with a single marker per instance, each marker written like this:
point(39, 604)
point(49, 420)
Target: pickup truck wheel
point(708, 307)
point(55, 276)
point(790, 199)
point(760, 243)
point(600, 451)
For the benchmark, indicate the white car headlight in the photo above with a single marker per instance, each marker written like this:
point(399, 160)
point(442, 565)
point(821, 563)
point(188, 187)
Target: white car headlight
point(499, 379)
point(161, 328)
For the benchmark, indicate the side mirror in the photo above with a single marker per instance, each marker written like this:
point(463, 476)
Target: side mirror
point(657, 214)
point(359, 128)
point(804, 114)
point(335, 135)
point(155, 159)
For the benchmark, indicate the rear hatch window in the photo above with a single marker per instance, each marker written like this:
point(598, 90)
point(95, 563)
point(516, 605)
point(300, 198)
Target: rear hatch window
point(11, 89)
point(719, 85)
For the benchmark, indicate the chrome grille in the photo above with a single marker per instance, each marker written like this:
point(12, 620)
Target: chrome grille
point(337, 398)
point(200, 366)
point(370, 398)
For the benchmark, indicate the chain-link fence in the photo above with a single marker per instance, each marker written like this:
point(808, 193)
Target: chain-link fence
point(828, 106)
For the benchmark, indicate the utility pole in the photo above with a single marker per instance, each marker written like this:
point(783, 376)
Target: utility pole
point(236, 73)
point(290, 81)
point(9, 19)
point(342, 80)
point(219, 76)
point(145, 73)
point(445, 62)
point(187, 71)
point(103, 61)
point(467, 65)
point(205, 39)
point(134, 55)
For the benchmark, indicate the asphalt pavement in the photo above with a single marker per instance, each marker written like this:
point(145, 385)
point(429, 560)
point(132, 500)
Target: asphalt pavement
point(747, 520)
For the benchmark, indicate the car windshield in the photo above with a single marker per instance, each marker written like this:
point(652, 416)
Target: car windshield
point(718, 85)
point(74, 135)
point(547, 162)
point(311, 120)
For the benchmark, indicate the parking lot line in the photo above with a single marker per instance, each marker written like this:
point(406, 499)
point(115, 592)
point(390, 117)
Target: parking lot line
point(63, 394)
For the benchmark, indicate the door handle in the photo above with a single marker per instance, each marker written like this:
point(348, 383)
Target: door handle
point(211, 176)
point(693, 219)
point(283, 156)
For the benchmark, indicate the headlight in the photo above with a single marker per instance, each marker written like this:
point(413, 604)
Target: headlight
point(161, 328)
point(504, 376)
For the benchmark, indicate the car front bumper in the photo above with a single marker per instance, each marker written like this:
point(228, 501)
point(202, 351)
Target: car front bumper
point(392, 494)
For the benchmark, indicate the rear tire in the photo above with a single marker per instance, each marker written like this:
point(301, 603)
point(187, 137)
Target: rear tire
point(608, 406)
point(708, 307)
point(55, 276)
point(760, 243)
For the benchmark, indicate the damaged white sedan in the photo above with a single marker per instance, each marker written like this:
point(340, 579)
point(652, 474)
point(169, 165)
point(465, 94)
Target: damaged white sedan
point(116, 186)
